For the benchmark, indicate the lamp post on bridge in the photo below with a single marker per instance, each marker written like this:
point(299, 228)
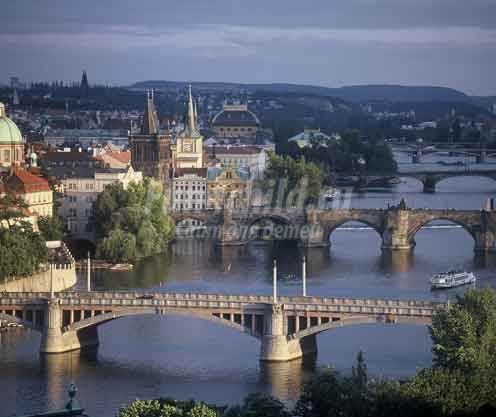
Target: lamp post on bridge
point(304, 275)
point(88, 274)
point(274, 283)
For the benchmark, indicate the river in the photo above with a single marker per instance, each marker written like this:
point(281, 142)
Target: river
point(151, 356)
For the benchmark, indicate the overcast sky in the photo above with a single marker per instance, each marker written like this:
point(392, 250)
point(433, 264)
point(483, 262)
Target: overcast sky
point(324, 42)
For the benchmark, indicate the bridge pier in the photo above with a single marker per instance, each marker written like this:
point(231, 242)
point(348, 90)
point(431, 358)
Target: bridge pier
point(396, 235)
point(55, 340)
point(484, 242)
point(276, 346)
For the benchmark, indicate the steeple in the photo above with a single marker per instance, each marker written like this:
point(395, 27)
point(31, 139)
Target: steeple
point(150, 124)
point(191, 129)
point(191, 112)
point(84, 86)
point(195, 114)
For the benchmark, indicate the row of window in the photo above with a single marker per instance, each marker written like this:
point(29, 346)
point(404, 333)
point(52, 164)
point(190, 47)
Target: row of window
point(87, 212)
point(193, 187)
point(193, 197)
point(184, 206)
point(74, 199)
point(241, 129)
point(74, 186)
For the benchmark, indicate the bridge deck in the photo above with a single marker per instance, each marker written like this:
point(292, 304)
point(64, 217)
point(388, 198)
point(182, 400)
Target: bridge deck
point(132, 299)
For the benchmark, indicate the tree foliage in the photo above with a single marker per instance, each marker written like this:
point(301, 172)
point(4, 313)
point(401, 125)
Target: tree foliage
point(344, 155)
point(131, 223)
point(51, 227)
point(22, 251)
point(168, 408)
point(295, 175)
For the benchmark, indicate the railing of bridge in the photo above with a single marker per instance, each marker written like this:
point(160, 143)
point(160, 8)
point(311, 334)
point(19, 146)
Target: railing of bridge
point(147, 298)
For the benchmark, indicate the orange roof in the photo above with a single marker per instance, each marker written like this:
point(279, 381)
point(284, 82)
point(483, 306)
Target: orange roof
point(124, 156)
point(22, 181)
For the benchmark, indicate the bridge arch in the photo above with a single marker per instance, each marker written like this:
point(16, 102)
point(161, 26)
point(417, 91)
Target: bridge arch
point(330, 229)
point(103, 318)
point(442, 178)
point(424, 222)
point(289, 230)
point(358, 320)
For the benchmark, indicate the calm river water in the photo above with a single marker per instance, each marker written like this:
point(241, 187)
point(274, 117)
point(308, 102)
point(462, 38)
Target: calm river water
point(151, 356)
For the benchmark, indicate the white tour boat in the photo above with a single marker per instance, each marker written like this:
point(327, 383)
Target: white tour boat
point(452, 278)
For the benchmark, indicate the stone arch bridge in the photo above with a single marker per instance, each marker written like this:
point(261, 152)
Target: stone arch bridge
point(286, 328)
point(312, 228)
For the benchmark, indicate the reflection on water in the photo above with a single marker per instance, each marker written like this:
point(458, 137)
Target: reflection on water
point(152, 356)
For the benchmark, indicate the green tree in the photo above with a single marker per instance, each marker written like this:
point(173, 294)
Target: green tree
point(464, 337)
point(22, 251)
point(118, 246)
point(167, 408)
point(137, 211)
point(256, 405)
point(51, 227)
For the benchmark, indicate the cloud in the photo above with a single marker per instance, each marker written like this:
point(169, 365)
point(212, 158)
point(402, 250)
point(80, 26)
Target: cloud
point(226, 40)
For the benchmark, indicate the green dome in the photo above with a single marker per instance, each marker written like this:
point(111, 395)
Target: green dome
point(9, 132)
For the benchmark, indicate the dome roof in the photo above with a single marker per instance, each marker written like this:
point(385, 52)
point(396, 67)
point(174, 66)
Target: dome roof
point(235, 115)
point(9, 132)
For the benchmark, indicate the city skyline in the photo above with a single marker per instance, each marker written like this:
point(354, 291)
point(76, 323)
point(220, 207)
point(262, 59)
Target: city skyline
point(347, 43)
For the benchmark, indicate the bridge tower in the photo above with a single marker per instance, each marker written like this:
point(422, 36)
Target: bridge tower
point(276, 345)
point(396, 231)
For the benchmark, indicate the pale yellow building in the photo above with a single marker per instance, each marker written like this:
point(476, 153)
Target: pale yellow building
point(188, 149)
point(33, 189)
point(226, 188)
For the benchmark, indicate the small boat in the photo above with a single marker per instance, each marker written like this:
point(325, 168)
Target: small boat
point(452, 278)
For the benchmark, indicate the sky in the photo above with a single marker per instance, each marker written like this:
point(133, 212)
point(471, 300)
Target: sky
point(331, 43)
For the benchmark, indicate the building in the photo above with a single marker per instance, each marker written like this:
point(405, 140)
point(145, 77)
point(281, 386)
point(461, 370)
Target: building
point(70, 159)
point(151, 150)
point(189, 189)
point(312, 136)
point(251, 158)
point(11, 142)
point(235, 121)
point(32, 189)
point(229, 188)
point(80, 187)
point(188, 149)
point(115, 159)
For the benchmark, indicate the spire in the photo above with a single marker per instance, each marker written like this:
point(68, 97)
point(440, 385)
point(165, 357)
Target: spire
point(150, 124)
point(191, 112)
point(195, 114)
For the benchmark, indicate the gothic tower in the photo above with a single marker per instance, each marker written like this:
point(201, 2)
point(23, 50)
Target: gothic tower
point(188, 151)
point(84, 86)
point(150, 150)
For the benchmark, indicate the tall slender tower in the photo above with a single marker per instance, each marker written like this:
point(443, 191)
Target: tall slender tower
point(84, 86)
point(188, 151)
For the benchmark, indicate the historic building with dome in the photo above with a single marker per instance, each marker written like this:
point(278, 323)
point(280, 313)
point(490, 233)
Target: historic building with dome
point(11, 142)
point(235, 121)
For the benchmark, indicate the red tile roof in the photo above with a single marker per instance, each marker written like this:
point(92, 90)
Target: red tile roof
point(22, 181)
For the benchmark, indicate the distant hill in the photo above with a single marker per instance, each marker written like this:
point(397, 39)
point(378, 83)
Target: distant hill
point(357, 93)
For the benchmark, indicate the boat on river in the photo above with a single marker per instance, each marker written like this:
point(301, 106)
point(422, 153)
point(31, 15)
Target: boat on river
point(452, 278)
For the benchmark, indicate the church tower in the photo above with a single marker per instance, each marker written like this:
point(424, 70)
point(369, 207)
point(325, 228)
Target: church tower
point(188, 151)
point(150, 150)
point(84, 86)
